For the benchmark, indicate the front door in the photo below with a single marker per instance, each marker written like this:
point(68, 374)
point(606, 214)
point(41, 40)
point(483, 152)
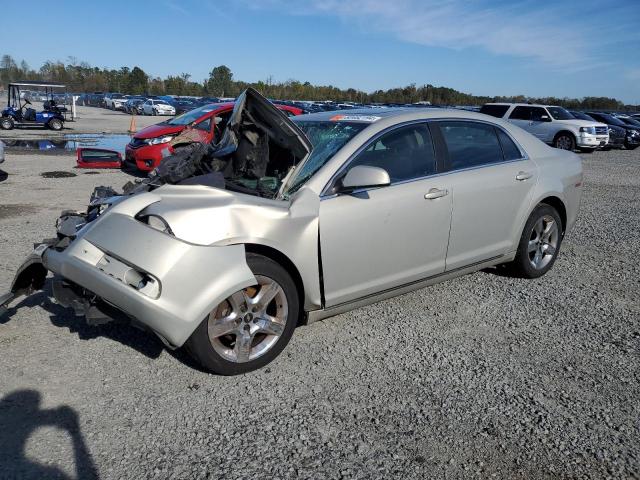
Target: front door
point(381, 238)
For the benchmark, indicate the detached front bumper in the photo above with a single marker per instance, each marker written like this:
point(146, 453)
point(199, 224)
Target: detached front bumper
point(166, 284)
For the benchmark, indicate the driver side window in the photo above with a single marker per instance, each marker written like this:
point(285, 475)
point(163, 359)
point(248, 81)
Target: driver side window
point(406, 153)
point(204, 125)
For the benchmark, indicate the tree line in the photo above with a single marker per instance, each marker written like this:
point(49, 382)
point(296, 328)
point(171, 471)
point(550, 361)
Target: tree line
point(82, 77)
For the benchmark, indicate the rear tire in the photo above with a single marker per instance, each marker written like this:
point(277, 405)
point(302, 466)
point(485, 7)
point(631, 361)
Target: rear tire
point(55, 124)
point(219, 351)
point(539, 244)
point(6, 123)
point(565, 141)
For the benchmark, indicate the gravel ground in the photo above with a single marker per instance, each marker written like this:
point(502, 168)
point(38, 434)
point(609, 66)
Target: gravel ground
point(477, 377)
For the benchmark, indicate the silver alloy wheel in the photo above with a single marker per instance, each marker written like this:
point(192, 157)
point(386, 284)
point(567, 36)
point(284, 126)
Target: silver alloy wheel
point(543, 242)
point(248, 324)
point(564, 143)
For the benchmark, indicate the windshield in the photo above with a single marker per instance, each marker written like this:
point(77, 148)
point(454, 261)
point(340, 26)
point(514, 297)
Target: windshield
point(559, 113)
point(191, 116)
point(582, 116)
point(611, 120)
point(631, 121)
point(327, 138)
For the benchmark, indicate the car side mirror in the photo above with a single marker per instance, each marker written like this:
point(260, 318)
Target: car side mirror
point(545, 118)
point(364, 176)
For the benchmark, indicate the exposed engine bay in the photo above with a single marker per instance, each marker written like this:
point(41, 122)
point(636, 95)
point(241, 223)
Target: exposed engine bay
point(257, 149)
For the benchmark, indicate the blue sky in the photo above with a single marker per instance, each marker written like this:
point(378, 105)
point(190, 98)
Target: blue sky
point(485, 47)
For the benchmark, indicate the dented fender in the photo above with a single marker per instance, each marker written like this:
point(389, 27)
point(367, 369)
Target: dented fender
point(165, 283)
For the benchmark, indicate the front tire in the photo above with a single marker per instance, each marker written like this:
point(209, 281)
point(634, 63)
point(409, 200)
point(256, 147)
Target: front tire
point(6, 123)
point(539, 244)
point(565, 141)
point(251, 327)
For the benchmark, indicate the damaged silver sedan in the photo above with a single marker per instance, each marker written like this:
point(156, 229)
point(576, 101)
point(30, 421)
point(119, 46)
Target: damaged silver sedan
point(226, 248)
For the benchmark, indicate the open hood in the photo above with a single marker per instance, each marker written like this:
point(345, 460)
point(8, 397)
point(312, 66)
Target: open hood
point(257, 149)
point(252, 107)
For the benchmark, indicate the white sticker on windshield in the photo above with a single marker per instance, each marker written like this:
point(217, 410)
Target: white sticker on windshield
point(355, 118)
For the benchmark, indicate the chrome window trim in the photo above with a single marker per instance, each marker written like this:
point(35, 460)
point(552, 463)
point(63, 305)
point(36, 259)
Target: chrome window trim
point(325, 195)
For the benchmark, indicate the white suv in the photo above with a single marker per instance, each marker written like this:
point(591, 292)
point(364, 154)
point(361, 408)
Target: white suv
point(553, 125)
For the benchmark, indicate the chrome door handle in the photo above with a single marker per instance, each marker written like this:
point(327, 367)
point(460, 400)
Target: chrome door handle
point(435, 193)
point(521, 176)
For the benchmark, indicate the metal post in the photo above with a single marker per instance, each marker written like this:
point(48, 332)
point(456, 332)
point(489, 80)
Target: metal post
point(73, 107)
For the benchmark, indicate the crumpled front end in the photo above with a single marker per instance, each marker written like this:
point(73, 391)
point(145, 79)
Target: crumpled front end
point(166, 284)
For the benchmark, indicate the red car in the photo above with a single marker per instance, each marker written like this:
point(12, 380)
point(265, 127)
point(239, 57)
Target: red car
point(150, 145)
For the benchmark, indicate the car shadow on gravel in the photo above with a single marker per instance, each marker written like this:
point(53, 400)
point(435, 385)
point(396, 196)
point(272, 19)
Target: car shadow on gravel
point(122, 331)
point(62, 317)
point(21, 415)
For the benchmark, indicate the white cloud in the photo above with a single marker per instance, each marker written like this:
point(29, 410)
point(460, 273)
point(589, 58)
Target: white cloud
point(553, 34)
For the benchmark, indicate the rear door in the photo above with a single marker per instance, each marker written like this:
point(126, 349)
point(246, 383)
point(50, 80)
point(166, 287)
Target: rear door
point(491, 181)
point(521, 116)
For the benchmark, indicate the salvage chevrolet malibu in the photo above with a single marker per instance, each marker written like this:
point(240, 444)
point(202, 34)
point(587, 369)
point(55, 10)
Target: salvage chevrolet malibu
point(227, 247)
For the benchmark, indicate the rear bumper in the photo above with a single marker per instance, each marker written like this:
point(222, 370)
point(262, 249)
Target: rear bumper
point(187, 281)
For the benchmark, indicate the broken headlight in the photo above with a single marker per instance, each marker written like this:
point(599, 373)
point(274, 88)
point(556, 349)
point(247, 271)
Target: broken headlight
point(156, 222)
point(158, 140)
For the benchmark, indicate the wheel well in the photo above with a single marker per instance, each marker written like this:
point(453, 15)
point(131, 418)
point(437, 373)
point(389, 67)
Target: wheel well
point(569, 132)
point(287, 264)
point(556, 203)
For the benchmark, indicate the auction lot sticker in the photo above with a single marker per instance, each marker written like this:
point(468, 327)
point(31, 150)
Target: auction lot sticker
point(355, 118)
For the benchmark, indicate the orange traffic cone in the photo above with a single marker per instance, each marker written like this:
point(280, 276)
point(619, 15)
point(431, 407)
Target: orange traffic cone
point(132, 127)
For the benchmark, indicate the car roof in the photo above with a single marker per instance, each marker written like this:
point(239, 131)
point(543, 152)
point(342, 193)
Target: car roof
point(372, 115)
point(524, 104)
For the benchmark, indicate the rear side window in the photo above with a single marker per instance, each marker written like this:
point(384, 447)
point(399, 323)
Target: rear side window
point(497, 111)
point(537, 113)
point(509, 149)
point(470, 144)
point(405, 153)
point(521, 113)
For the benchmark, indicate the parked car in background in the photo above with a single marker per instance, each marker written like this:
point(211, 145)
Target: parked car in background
point(551, 124)
point(631, 121)
point(616, 134)
point(632, 133)
point(341, 211)
point(114, 101)
point(183, 106)
point(150, 145)
point(95, 99)
point(134, 105)
point(157, 107)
